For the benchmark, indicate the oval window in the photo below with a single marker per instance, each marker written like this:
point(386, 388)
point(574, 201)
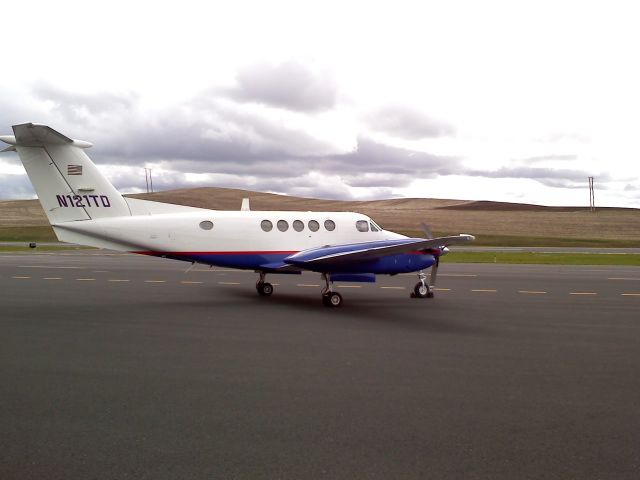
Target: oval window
point(330, 225)
point(206, 225)
point(283, 226)
point(266, 225)
point(314, 226)
point(362, 226)
point(298, 226)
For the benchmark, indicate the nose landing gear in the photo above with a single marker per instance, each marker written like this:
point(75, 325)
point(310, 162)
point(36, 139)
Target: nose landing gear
point(422, 288)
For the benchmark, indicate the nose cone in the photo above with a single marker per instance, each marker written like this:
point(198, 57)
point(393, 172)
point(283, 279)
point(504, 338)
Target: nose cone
point(445, 250)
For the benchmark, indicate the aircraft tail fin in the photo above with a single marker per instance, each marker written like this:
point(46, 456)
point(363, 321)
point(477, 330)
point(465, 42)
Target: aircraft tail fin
point(67, 182)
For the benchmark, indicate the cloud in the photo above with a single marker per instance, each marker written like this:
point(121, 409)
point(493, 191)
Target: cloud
point(407, 123)
point(551, 157)
point(552, 177)
point(289, 85)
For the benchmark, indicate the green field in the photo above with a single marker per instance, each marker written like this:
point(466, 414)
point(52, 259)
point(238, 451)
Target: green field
point(544, 258)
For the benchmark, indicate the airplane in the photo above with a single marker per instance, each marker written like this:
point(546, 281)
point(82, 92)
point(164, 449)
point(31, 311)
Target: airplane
point(83, 207)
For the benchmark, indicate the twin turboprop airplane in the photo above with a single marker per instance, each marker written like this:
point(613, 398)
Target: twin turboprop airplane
point(83, 207)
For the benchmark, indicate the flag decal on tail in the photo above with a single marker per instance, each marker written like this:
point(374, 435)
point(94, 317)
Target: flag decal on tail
point(74, 169)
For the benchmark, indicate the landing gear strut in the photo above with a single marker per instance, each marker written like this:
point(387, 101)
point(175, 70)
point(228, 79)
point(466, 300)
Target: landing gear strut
point(264, 288)
point(329, 297)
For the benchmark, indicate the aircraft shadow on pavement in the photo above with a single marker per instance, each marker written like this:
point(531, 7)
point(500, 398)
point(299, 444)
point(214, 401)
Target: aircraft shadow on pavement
point(415, 314)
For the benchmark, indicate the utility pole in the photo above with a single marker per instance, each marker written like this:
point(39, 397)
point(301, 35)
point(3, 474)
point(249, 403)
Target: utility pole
point(592, 198)
point(148, 179)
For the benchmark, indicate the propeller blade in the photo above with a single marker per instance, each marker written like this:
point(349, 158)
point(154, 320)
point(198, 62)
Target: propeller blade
point(426, 230)
point(434, 273)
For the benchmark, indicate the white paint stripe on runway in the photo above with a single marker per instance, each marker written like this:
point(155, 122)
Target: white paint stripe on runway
point(394, 288)
point(484, 290)
point(532, 292)
point(118, 280)
point(582, 293)
point(48, 266)
point(20, 278)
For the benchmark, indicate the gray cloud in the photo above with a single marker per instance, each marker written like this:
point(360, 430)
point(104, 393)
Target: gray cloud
point(78, 107)
point(557, 178)
point(15, 186)
point(290, 85)
point(551, 157)
point(407, 123)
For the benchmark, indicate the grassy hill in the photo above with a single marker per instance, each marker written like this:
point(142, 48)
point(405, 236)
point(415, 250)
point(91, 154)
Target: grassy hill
point(493, 223)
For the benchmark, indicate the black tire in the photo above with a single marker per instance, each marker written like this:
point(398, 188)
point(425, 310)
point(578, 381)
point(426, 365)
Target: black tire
point(264, 288)
point(267, 289)
point(332, 299)
point(422, 290)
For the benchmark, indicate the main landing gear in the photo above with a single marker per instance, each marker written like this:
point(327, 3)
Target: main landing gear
point(329, 297)
point(264, 288)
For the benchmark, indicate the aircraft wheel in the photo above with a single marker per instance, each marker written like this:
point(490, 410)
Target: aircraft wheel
point(332, 299)
point(264, 288)
point(421, 290)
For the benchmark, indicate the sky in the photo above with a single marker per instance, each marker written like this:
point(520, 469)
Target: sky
point(494, 100)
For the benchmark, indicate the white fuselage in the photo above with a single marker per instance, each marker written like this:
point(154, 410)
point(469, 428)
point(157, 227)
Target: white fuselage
point(232, 231)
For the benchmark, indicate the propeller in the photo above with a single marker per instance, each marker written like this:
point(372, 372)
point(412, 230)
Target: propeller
point(434, 268)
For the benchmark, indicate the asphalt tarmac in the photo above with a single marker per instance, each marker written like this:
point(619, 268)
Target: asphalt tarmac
point(117, 366)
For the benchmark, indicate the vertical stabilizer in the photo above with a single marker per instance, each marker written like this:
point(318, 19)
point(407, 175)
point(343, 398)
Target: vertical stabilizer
point(68, 184)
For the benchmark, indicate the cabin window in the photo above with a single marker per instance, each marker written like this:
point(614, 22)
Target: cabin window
point(330, 225)
point(362, 226)
point(266, 225)
point(314, 226)
point(206, 225)
point(283, 226)
point(298, 226)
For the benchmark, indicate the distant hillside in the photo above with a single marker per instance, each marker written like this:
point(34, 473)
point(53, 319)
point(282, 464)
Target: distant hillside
point(492, 222)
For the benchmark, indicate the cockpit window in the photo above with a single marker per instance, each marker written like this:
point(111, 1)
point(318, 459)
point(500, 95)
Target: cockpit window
point(374, 227)
point(362, 226)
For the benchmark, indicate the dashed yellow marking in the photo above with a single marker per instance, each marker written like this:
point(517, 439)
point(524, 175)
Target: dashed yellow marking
point(229, 283)
point(482, 290)
point(582, 293)
point(188, 282)
point(20, 278)
point(52, 278)
point(155, 281)
point(85, 279)
point(307, 285)
point(394, 288)
point(630, 294)
point(118, 280)
point(442, 289)
point(531, 292)
point(624, 278)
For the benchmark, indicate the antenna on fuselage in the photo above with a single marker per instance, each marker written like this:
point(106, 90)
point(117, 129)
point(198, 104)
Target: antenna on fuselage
point(245, 205)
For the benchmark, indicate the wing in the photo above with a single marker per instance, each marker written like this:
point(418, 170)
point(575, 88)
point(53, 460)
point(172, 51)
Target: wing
point(360, 252)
